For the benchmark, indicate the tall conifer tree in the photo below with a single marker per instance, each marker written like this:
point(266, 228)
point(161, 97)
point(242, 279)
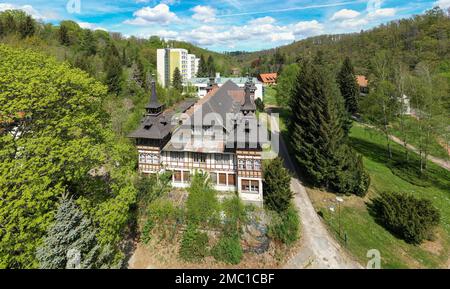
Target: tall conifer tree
point(348, 86)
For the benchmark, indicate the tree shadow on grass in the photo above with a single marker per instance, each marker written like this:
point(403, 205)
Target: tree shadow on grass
point(406, 170)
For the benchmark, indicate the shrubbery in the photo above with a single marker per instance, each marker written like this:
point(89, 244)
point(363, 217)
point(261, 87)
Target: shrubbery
point(409, 218)
point(194, 244)
point(228, 249)
point(164, 216)
point(202, 205)
point(285, 226)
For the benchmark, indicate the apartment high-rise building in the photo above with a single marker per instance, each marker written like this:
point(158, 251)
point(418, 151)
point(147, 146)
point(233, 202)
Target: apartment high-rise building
point(168, 59)
point(193, 62)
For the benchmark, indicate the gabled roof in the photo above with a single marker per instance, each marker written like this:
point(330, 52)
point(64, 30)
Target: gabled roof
point(268, 77)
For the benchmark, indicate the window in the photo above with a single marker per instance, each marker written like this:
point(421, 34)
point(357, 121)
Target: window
point(257, 165)
point(177, 176)
point(223, 179)
point(231, 180)
point(213, 177)
point(249, 164)
point(186, 176)
point(254, 186)
point(177, 156)
point(245, 185)
point(241, 164)
point(219, 159)
point(250, 186)
point(147, 158)
point(199, 158)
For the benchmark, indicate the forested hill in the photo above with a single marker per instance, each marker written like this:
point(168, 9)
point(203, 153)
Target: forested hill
point(86, 49)
point(412, 40)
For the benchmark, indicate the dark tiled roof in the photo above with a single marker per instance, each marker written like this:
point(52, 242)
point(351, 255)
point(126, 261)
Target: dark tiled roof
point(154, 103)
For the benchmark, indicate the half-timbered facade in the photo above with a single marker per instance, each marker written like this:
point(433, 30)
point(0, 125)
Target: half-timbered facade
point(217, 135)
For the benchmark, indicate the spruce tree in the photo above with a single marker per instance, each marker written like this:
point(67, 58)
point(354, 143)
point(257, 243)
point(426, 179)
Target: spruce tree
point(71, 230)
point(113, 66)
point(138, 73)
point(202, 68)
point(318, 133)
point(27, 28)
point(348, 86)
point(88, 43)
point(177, 81)
point(277, 189)
point(63, 35)
point(211, 67)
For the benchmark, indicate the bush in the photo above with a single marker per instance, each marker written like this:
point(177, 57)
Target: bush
point(163, 216)
point(350, 176)
point(235, 215)
point(285, 227)
point(202, 205)
point(193, 244)
point(228, 249)
point(405, 216)
point(277, 190)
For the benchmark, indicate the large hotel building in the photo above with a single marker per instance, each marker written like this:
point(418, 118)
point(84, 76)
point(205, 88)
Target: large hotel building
point(217, 135)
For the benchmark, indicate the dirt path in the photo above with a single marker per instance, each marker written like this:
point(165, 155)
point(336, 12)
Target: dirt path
point(440, 162)
point(319, 249)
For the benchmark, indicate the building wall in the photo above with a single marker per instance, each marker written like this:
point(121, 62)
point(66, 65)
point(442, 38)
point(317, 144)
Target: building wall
point(160, 66)
point(225, 175)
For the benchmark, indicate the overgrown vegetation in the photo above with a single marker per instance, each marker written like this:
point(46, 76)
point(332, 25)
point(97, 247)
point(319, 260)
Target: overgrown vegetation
point(285, 226)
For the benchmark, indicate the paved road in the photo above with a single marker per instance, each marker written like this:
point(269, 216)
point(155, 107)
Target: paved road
point(319, 249)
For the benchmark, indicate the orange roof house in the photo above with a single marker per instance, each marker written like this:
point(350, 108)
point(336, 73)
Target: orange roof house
point(362, 81)
point(363, 84)
point(268, 78)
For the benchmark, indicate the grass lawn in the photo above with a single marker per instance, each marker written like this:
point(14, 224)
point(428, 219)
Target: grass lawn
point(269, 96)
point(363, 233)
point(435, 148)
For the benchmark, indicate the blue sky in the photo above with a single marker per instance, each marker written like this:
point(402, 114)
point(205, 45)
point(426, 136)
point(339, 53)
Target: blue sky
point(225, 25)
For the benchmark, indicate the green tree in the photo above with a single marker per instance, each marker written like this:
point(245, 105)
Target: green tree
point(202, 67)
point(177, 81)
point(285, 84)
point(59, 140)
point(211, 67)
point(63, 34)
point(277, 186)
point(349, 89)
point(318, 136)
point(2, 28)
point(71, 230)
point(194, 244)
point(113, 66)
point(89, 43)
point(27, 27)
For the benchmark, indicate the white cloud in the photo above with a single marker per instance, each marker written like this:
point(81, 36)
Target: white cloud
point(167, 34)
point(262, 21)
point(204, 13)
point(308, 28)
point(444, 4)
point(382, 12)
point(344, 14)
point(29, 10)
point(160, 14)
point(91, 26)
